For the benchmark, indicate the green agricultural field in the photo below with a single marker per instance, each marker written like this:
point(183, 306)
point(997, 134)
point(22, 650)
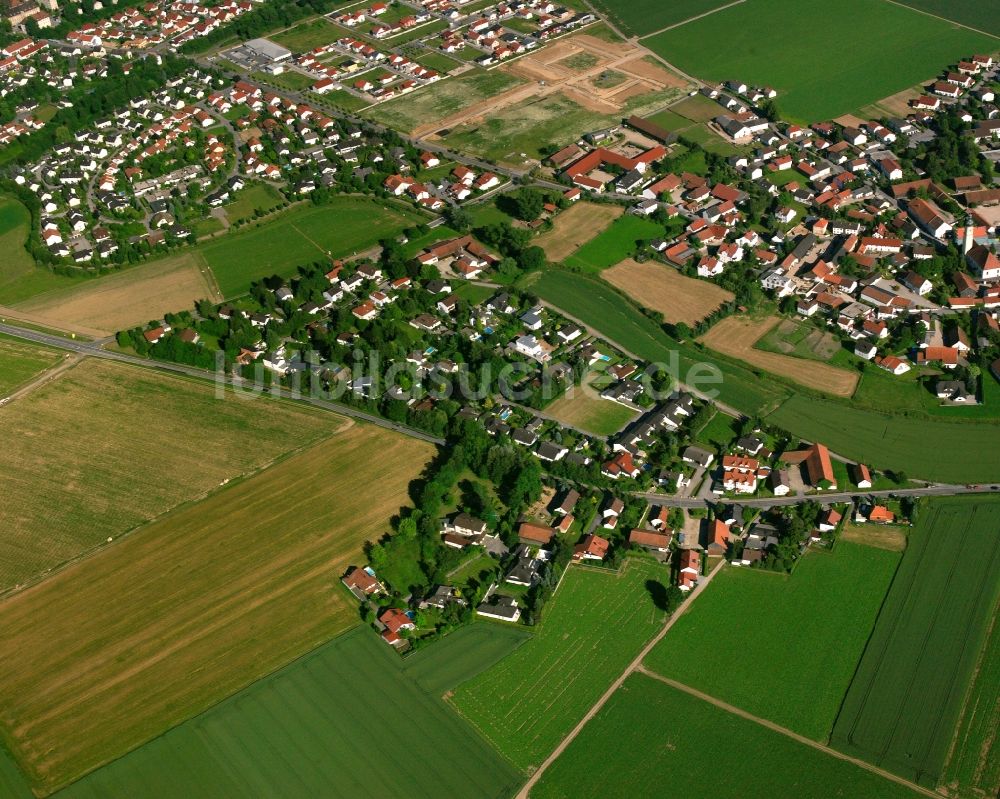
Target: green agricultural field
point(974, 764)
point(594, 626)
point(922, 447)
point(719, 432)
point(905, 701)
point(442, 99)
point(20, 278)
point(642, 17)
point(818, 618)
point(615, 244)
point(602, 307)
point(349, 719)
point(892, 48)
point(974, 13)
point(21, 360)
point(654, 740)
point(307, 233)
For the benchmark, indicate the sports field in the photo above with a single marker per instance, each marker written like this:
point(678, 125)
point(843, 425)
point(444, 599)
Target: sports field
point(20, 361)
point(904, 703)
point(959, 452)
point(575, 226)
point(642, 17)
point(818, 618)
point(596, 623)
point(665, 290)
point(974, 13)
point(121, 646)
point(105, 448)
point(892, 48)
point(349, 719)
point(735, 336)
point(128, 298)
point(307, 233)
point(587, 411)
point(654, 740)
point(614, 244)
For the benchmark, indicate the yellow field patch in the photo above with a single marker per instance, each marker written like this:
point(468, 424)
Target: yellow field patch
point(104, 448)
point(128, 298)
point(664, 289)
point(123, 645)
point(575, 226)
point(876, 535)
point(736, 335)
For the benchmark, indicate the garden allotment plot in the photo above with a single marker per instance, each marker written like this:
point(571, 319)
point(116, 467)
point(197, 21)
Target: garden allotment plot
point(904, 702)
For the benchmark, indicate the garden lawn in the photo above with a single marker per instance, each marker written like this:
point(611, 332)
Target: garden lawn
point(615, 244)
point(818, 619)
point(892, 48)
point(596, 623)
point(654, 740)
point(907, 696)
point(325, 725)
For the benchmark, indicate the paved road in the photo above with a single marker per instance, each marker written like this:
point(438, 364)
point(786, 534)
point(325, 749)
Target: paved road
point(635, 665)
point(93, 349)
point(842, 496)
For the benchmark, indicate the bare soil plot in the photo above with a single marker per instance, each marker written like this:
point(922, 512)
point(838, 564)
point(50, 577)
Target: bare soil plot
point(128, 298)
point(104, 448)
point(576, 226)
point(123, 645)
point(875, 535)
point(664, 289)
point(735, 336)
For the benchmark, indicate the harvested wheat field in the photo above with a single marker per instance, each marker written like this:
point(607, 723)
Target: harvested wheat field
point(129, 298)
point(735, 336)
point(664, 289)
point(104, 448)
point(121, 646)
point(575, 226)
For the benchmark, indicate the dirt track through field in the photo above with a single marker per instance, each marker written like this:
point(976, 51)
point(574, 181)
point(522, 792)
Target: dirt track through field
point(635, 665)
point(786, 732)
point(735, 336)
point(663, 289)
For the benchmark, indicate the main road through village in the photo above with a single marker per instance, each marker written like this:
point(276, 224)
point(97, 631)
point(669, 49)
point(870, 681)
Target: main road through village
point(97, 349)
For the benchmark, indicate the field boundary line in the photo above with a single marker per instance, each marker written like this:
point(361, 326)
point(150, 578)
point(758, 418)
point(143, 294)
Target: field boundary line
point(692, 19)
point(786, 732)
point(635, 665)
point(943, 19)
